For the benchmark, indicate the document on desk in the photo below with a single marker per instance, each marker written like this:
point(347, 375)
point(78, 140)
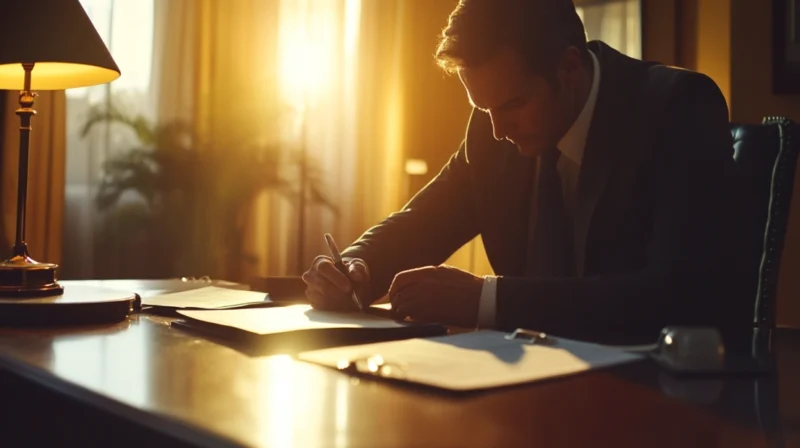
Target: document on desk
point(208, 297)
point(289, 318)
point(471, 361)
point(258, 323)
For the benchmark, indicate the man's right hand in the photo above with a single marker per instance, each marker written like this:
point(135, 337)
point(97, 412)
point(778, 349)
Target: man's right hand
point(329, 289)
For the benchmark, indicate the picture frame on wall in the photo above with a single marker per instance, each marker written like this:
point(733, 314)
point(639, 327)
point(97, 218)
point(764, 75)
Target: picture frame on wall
point(786, 46)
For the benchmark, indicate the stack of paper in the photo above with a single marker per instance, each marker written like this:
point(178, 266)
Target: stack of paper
point(208, 298)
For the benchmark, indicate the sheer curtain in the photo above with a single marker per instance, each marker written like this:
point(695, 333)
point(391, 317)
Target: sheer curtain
point(243, 72)
point(126, 27)
point(335, 86)
point(616, 22)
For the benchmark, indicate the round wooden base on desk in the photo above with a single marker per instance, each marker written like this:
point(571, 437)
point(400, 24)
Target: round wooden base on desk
point(78, 305)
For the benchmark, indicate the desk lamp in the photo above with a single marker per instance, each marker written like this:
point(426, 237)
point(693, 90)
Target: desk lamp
point(44, 45)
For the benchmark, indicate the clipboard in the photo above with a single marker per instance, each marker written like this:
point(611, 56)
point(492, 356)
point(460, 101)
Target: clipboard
point(473, 361)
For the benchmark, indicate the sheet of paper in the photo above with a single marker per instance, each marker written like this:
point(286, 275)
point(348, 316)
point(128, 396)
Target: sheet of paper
point(208, 297)
point(478, 360)
point(289, 318)
point(149, 288)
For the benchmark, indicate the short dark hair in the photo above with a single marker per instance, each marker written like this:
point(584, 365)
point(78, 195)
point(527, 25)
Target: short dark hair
point(539, 30)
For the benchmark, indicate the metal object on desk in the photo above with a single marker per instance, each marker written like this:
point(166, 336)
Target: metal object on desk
point(374, 365)
point(531, 337)
point(78, 305)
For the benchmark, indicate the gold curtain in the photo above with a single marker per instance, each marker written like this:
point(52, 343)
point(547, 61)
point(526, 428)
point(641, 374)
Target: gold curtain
point(398, 106)
point(46, 174)
point(214, 68)
point(350, 82)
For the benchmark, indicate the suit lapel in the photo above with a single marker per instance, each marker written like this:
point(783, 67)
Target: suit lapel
point(599, 155)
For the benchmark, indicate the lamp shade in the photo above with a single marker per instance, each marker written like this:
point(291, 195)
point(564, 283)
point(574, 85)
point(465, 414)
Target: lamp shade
point(58, 37)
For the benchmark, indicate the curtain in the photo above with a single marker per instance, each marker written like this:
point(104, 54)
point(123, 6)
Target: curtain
point(215, 70)
point(616, 22)
point(46, 165)
point(321, 78)
point(98, 243)
point(354, 116)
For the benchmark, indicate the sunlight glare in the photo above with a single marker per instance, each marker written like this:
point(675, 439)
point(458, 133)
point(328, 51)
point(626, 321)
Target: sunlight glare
point(305, 54)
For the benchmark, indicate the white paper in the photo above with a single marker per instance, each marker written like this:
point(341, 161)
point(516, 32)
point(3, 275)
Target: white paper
point(289, 318)
point(477, 360)
point(149, 288)
point(208, 297)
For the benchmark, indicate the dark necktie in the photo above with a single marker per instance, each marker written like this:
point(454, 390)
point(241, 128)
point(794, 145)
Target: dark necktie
point(550, 245)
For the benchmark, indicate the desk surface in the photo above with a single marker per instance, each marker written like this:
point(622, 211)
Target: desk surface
point(211, 394)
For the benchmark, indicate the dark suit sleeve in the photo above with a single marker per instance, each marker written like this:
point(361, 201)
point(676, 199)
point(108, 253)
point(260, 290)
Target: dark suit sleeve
point(684, 278)
point(434, 224)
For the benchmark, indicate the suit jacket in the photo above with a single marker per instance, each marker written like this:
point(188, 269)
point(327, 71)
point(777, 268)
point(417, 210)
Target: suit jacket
point(655, 223)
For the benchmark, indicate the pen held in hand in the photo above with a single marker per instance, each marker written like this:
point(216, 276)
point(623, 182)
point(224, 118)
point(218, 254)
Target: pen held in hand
point(339, 264)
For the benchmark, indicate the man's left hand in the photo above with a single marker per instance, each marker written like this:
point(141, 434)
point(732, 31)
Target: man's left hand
point(441, 294)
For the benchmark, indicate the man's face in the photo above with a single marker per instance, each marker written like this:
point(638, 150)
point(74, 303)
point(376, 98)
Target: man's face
point(525, 109)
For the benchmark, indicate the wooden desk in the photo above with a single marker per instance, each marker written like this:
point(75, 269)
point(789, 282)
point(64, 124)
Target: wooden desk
point(142, 382)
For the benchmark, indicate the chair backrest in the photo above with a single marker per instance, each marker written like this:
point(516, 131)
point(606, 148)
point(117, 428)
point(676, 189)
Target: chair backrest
point(766, 157)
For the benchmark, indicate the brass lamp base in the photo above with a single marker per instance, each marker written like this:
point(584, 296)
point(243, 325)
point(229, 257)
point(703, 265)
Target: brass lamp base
point(22, 276)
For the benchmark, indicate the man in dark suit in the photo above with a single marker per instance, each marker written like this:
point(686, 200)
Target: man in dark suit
point(602, 187)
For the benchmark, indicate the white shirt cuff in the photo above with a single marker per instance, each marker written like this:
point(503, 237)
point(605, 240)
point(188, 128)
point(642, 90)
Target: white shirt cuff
point(487, 307)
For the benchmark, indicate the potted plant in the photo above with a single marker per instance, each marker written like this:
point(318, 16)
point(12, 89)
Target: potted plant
point(173, 205)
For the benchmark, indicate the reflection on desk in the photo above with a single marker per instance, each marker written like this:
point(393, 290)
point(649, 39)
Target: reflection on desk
point(201, 392)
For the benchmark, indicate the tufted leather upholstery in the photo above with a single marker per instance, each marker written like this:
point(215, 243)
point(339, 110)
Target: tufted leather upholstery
point(766, 157)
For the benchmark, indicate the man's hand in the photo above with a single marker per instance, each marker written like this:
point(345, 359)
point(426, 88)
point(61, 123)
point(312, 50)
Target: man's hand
point(329, 289)
point(441, 294)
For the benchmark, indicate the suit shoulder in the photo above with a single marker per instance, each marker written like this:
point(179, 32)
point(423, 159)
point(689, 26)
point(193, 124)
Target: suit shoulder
point(671, 83)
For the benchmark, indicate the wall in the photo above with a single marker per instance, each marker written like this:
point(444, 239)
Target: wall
point(437, 110)
point(712, 39)
point(437, 122)
point(752, 65)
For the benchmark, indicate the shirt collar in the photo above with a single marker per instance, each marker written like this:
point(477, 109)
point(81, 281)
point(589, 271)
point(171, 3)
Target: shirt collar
point(573, 142)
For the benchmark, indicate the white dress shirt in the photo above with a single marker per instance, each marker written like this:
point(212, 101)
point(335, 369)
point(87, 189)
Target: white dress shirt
point(571, 145)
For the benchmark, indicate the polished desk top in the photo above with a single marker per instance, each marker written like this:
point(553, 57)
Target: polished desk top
point(211, 394)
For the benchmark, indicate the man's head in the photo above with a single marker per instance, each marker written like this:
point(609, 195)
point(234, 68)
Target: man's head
point(525, 62)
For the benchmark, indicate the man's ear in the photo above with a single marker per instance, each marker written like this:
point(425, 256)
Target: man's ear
point(569, 67)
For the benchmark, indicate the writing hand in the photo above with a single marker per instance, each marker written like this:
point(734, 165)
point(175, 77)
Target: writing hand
point(441, 294)
point(329, 289)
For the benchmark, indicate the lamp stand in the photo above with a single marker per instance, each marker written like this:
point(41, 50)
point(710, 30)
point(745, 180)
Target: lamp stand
point(20, 275)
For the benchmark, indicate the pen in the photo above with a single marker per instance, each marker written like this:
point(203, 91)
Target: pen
point(339, 264)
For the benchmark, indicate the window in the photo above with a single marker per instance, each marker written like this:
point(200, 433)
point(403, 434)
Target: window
point(126, 27)
point(617, 23)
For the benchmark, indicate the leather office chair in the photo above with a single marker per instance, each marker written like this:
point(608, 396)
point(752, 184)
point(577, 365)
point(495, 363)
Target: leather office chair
point(766, 157)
